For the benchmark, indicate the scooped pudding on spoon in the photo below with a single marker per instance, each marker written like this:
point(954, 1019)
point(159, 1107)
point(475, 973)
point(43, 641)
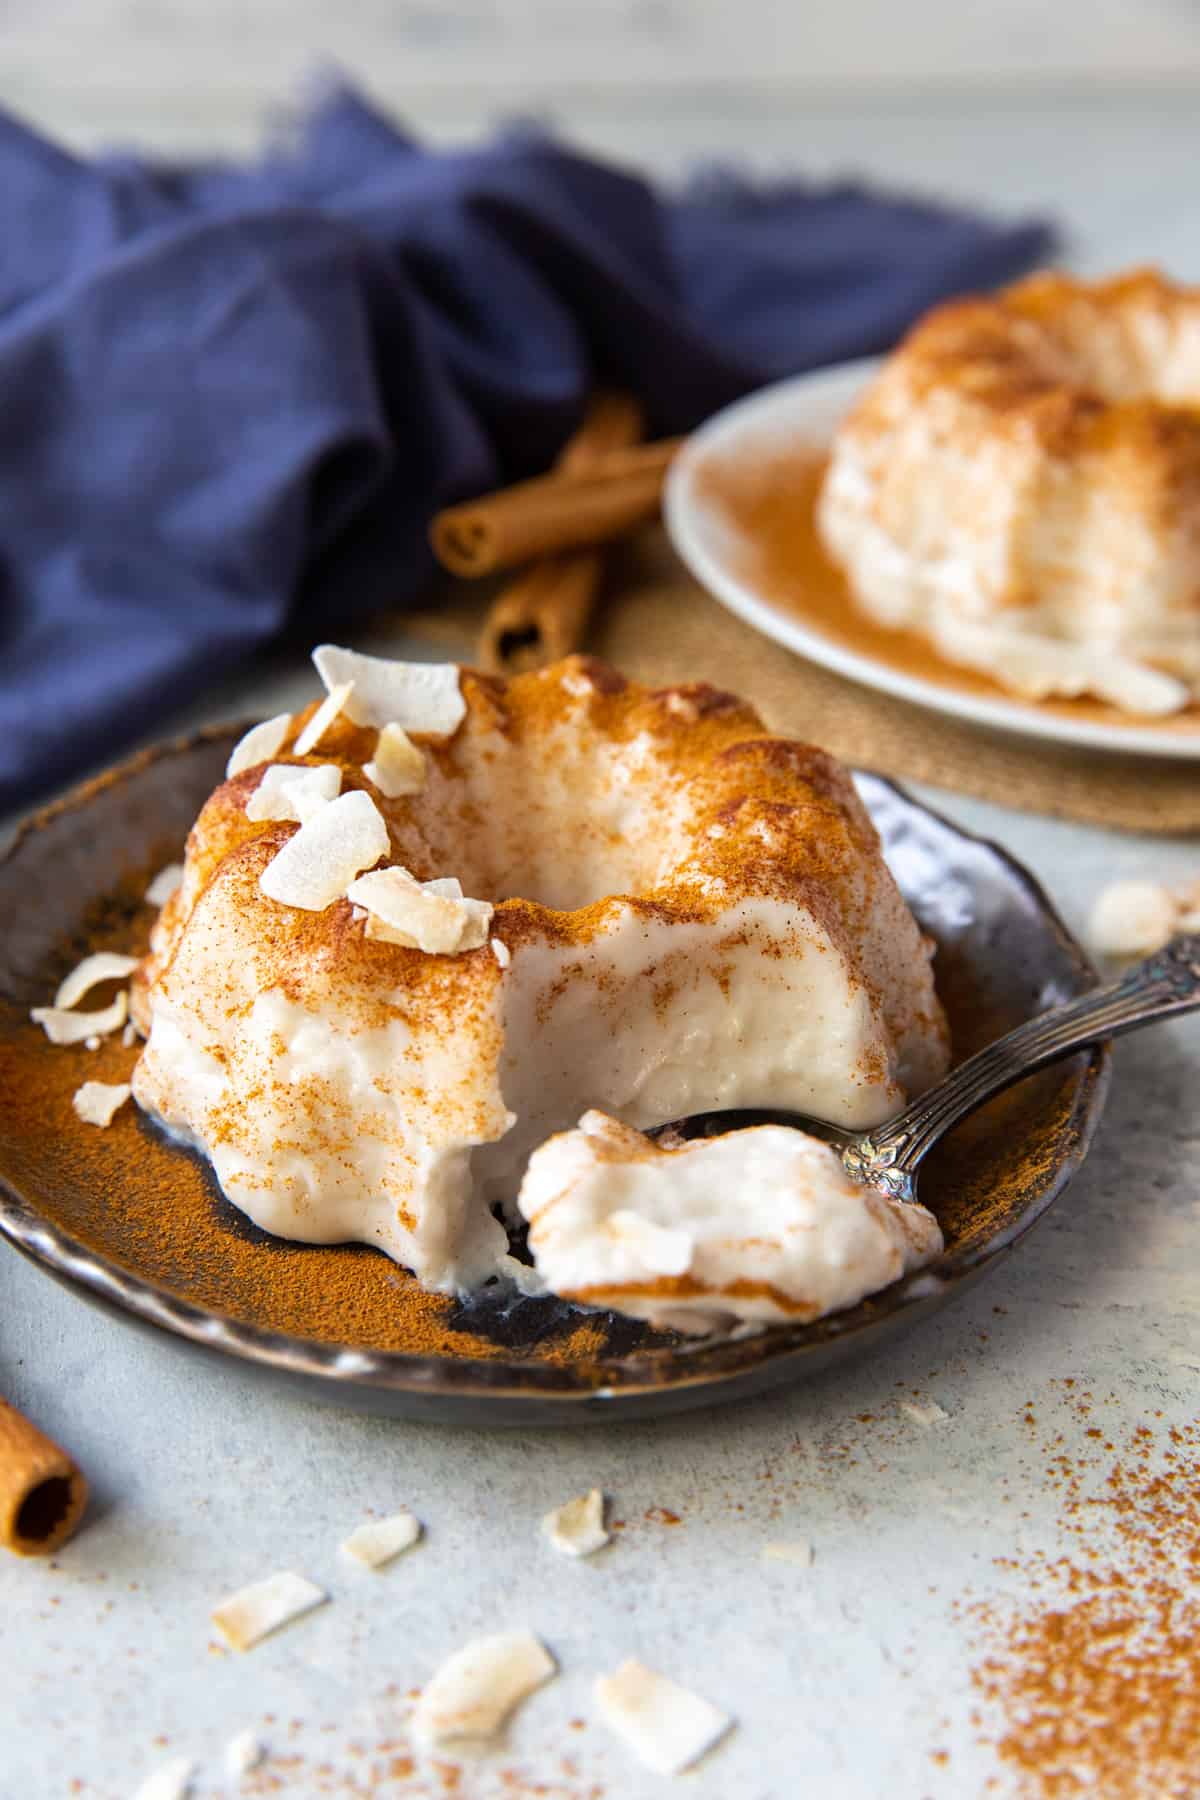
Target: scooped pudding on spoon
point(432, 921)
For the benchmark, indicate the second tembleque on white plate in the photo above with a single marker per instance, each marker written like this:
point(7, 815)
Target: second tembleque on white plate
point(739, 506)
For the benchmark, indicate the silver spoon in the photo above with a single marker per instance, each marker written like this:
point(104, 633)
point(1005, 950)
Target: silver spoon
point(888, 1156)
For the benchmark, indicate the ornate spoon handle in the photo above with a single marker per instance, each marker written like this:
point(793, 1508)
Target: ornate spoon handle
point(1166, 983)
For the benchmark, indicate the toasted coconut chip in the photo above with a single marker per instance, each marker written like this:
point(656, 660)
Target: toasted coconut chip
point(259, 745)
point(577, 1529)
point(1132, 918)
point(474, 1691)
point(501, 952)
point(63, 1027)
point(165, 884)
point(799, 1551)
point(399, 767)
point(322, 719)
point(416, 696)
point(927, 1413)
point(665, 1726)
point(170, 1781)
point(255, 1611)
point(377, 1542)
point(243, 1753)
point(294, 791)
point(98, 1102)
point(316, 866)
point(103, 966)
point(430, 915)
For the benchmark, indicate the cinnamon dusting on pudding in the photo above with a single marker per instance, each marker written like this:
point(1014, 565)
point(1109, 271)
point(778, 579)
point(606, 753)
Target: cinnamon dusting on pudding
point(694, 915)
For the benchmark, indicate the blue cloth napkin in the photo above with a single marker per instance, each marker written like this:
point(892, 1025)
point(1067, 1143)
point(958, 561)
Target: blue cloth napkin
point(231, 397)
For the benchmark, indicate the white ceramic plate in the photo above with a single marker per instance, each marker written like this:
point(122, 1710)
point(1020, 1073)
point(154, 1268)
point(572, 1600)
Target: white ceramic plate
point(805, 411)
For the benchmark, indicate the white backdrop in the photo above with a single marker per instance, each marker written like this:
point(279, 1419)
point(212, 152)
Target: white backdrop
point(189, 72)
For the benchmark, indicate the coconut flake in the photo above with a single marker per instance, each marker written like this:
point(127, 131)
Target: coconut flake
point(91, 1043)
point(927, 1413)
point(1132, 918)
point(294, 791)
point(243, 1753)
point(170, 1781)
point(129, 1036)
point(64, 1027)
point(417, 696)
point(323, 718)
point(98, 1102)
point(798, 1551)
point(577, 1528)
point(259, 745)
point(255, 1611)
point(665, 1726)
point(431, 915)
point(377, 1542)
point(399, 767)
point(475, 1690)
point(165, 884)
point(315, 867)
point(103, 966)
point(501, 952)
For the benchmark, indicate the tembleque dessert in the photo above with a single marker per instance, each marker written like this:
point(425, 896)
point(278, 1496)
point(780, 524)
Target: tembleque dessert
point(1020, 483)
point(431, 922)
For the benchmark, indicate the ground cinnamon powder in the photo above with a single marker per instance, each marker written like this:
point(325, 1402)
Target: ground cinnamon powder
point(1092, 1685)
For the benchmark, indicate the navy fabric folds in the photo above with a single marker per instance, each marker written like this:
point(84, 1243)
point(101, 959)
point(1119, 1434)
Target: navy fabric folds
point(231, 397)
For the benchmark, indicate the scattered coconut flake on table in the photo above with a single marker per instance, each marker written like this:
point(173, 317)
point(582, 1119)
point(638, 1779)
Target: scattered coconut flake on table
point(259, 744)
point(91, 1043)
point(165, 884)
point(430, 915)
point(255, 1611)
point(64, 1027)
point(577, 1528)
point(665, 1726)
point(293, 791)
point(475, 1690)
point(398, 768)
point(501, 952)
point(98, 1102)
point(330, 708)
point(243, 1753)
point(798, 1551)
point(103, 966)
point(926, 1412)
point(1132, 918)
point(315, 867)
point(170, 1781)
point(418, 696)
point(378, 1541)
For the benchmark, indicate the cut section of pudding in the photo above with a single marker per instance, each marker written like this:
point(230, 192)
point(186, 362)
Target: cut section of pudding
point(663, 911)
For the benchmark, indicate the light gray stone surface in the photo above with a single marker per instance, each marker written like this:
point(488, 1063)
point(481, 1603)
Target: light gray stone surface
point(844, 1678)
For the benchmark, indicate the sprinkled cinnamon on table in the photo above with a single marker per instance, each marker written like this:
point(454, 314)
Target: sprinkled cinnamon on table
point(1091, 1684)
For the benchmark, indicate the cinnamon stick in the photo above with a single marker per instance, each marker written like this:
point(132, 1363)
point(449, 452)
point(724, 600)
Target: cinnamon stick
point(544, 614)
point(42, 1491)
point(564, 510)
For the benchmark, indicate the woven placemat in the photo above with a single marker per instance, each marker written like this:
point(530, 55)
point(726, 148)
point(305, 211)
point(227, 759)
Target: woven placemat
point(658, 625)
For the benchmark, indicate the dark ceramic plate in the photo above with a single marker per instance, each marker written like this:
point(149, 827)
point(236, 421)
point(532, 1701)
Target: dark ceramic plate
point(138, 1226)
